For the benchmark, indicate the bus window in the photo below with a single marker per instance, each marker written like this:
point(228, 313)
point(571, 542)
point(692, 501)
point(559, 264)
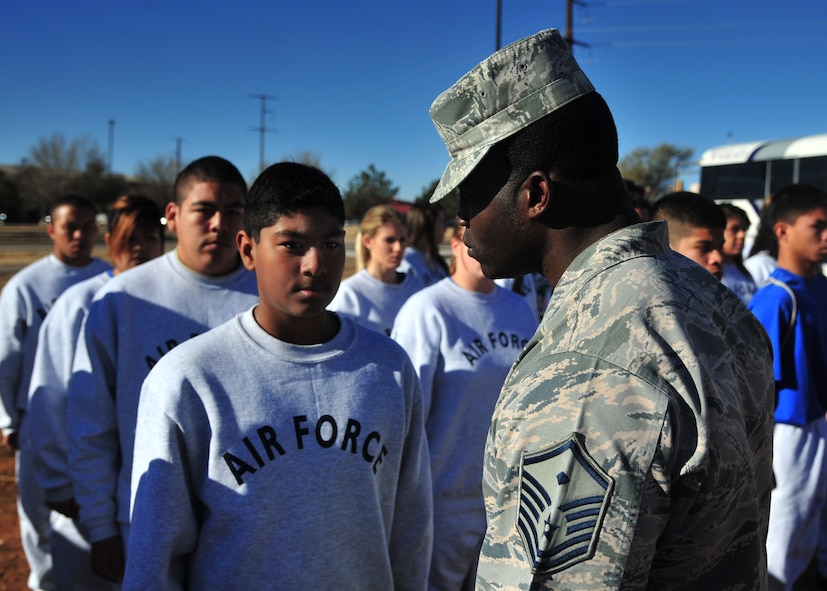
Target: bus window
point(813, 171)
point(733, 180)
point(781, 174)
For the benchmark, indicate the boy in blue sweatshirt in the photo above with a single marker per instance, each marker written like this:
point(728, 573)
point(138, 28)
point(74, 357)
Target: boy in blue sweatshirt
point(791, 308)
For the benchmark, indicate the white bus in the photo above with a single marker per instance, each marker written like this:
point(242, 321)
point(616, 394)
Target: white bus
point(757, 169)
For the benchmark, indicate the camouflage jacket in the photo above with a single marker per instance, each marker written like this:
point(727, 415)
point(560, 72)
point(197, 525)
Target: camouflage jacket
point(631, 446)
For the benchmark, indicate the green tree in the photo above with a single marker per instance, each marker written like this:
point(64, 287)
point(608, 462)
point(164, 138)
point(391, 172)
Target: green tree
point(428, 190)
point(448, 203)
point(156, 179)
point(655, 169)
point(368, 188)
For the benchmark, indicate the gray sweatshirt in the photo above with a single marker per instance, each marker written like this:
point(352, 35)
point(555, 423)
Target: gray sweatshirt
point(49, 386)
point(133, 321)
point(371, 302)
point(261, 464)
point(24, 303)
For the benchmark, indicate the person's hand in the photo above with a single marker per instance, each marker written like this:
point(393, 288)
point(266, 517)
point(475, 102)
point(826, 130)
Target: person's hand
point(10, 441)
point(108, 559)
point(69, 507)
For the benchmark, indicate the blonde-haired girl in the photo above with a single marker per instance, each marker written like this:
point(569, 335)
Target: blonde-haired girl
point(375, 293)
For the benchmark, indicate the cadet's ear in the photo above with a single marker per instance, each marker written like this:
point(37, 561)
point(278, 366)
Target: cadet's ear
point(171, 214)
point(780, 230)
point(247, 250)
point(535, 194)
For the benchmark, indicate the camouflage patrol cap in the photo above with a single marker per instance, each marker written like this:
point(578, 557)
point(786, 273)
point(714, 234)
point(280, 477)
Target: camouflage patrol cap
point(505, 93)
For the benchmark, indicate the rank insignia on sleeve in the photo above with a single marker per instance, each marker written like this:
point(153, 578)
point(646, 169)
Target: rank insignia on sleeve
point(564, 495)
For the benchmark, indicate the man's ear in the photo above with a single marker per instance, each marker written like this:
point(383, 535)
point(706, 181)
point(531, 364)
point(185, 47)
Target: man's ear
point(171, 214)
point(536, 194)
point(247, 250)
point(780, 230)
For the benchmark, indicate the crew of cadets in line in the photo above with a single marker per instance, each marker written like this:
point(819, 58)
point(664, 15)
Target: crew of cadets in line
point(71, 381)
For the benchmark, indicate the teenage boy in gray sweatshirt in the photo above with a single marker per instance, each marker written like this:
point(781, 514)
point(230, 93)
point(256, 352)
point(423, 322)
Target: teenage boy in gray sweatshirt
point(285, 448)
point(132, 322)
point(24, 302)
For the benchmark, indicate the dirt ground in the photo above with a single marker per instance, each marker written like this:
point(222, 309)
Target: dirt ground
point(13, 567)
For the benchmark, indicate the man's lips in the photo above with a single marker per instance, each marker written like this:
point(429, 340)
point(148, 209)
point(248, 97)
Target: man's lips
point(218, 244)
point(312, 289)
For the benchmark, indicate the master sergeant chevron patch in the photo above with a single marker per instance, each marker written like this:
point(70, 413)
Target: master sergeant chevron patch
point(564, 495)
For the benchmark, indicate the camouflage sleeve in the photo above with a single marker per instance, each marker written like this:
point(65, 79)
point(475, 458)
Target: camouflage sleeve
point(569, 461)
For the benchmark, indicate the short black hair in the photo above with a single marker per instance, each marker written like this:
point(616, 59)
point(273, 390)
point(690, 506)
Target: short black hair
point(690, 209)
point(731, 211)
point(73, 200)
point(208, 168)
point(791, 202)
point(635, 192)
point(288, 188)
point(576, 145)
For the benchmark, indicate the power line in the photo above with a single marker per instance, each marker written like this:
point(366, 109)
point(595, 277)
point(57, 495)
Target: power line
point(610, 3)
point(696, 43)
point(701, 27)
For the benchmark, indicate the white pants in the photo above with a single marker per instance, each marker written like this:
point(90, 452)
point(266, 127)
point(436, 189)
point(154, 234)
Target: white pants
point(34, 516)
point(798, 502)
point(57, 552)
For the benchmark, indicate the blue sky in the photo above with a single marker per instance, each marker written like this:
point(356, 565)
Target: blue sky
point(354, 79)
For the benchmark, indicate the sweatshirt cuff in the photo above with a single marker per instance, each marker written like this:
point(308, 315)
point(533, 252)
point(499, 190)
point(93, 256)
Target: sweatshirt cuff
point(61, 493)
point(101, 530)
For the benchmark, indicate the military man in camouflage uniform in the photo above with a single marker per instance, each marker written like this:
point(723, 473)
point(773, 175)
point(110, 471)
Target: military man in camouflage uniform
point(631, 444)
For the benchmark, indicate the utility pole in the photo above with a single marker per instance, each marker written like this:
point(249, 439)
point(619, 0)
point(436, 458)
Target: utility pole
point(111, 146)
point(499, 24)
point(262, 128)
point(178, 141)
point(569, 33)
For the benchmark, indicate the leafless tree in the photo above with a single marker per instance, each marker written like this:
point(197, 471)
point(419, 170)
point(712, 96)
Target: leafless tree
point(53, 167)
point(156, 179)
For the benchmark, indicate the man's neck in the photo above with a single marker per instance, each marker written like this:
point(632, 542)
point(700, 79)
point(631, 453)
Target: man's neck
point(797, 266)
point(563, 246)
point(74, 262)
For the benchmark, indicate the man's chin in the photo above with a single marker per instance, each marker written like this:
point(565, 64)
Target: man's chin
point(493, 273)
point(220, 265)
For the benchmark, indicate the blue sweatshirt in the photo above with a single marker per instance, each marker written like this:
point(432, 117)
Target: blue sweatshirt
point(800, 359)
